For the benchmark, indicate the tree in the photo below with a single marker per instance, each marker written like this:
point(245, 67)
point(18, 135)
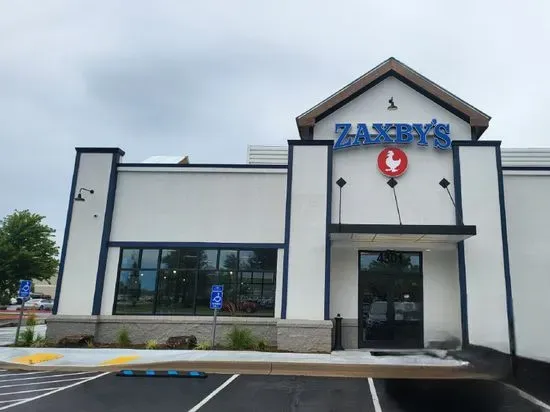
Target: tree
point(27, 251)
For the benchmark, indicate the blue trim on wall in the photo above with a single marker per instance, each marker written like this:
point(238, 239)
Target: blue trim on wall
point(460, 248)
point(114, 150)
point(495, 143)
point(324, 142)
point(506, 256)
point(327, 234)
point(66, 234)
point(162, 245)
point(104, 248)
point(287, 230)
point(529, 168)
point(203, 165)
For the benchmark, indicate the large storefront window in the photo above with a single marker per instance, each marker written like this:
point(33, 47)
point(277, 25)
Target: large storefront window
point(178, 281)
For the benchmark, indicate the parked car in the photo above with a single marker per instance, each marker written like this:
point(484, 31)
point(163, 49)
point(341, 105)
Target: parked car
point(40, 304)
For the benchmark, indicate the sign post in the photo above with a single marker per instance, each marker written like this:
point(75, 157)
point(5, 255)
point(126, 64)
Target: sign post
point(24, 293)
point(216, 302)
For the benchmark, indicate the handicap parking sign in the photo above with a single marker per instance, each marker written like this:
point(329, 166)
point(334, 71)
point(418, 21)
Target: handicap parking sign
point(25, 288)
point(216, 297)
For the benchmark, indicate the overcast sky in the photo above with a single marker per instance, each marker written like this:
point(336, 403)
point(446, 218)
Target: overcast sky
point(206, 78)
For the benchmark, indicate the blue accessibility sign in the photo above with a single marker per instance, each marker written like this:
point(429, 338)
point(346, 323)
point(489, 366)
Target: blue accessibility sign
point(216, 297)
point(25, 288)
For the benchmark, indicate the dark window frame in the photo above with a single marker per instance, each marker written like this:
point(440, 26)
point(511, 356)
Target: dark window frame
point(197, 270)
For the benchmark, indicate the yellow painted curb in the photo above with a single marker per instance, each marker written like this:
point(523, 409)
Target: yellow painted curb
point(37, 358)
point(120, 360)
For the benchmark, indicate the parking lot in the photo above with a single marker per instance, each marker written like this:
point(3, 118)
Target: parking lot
point(86, 391)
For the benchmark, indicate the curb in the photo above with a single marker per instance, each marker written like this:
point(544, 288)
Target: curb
point(281, 368)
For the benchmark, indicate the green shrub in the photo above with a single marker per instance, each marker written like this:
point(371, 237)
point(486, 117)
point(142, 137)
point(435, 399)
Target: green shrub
point(39, 342)
point(151, 344)
point(203, 346)
point(90, 343)
point(261, 345)
point(26, 338)
point(241, 339)
point(31, 320)
point(123, 338)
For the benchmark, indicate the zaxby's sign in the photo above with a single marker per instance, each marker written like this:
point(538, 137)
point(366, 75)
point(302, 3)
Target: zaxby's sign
point(393, 133)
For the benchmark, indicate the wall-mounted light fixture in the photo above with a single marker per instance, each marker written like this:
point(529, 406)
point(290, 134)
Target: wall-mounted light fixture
point(392, 106)
point(392, 183)
point(444, 183)
point(341, 183)
point(79, 197)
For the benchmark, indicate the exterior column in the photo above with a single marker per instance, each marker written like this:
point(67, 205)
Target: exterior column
point(304, 323)
point(87, 230)
point(483, 259)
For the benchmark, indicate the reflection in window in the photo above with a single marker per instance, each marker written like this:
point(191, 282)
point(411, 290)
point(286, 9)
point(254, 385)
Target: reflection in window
point(208, 259)
point(228, 259)
point(176, 292)
point(130, 259)
point(204, 286)
point(149, 259)
point(185, 278)
point(136, 292)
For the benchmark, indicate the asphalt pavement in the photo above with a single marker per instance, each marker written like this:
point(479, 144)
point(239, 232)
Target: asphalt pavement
point(93, 391)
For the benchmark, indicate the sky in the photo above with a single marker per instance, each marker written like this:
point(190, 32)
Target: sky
point(206, 78)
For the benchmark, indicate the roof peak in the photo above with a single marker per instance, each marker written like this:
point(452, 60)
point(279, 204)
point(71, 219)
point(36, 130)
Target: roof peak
point(392, 67)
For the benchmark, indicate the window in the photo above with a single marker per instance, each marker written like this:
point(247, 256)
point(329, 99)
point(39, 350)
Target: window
point(179, 281)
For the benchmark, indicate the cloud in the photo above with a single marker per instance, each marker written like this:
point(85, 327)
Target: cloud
point(207, 78)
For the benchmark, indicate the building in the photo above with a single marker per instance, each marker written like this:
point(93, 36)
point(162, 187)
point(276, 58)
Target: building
point(390, 210)
point(46, 287)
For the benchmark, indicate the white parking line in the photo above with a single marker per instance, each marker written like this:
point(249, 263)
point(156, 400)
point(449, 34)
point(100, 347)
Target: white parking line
point(44, 377)
point(31, 390)
point(528, 397)
point(55, 390)
point(21, 374)
point(374, 395)
point(212, 394)
point(40, 383)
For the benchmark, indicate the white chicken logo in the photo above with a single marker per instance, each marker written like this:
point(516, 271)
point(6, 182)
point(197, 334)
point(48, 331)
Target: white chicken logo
point(391, 163)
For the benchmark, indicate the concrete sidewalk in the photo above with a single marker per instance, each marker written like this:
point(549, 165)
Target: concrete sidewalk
point(350, 363)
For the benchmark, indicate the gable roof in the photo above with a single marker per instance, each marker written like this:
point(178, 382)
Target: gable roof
point(478, 120)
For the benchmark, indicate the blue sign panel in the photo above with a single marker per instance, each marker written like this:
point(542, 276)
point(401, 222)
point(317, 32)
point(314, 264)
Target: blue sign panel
point(393, 133)
point(25, 288)
point(216, 297)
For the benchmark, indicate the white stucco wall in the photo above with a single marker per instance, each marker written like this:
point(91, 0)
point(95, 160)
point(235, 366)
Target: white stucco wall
point(527, 205)
point(371, 107)
point(485, 281)
point(367, 199)
point(441, 296)
point(344, 287)
point(306, 260)
point(109, 285)
point(279, 283)
point(192, 205)
point(84, 239)
point(440, 289)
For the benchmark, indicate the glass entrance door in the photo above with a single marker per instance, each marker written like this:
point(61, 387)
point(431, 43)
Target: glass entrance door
point(390, 300)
